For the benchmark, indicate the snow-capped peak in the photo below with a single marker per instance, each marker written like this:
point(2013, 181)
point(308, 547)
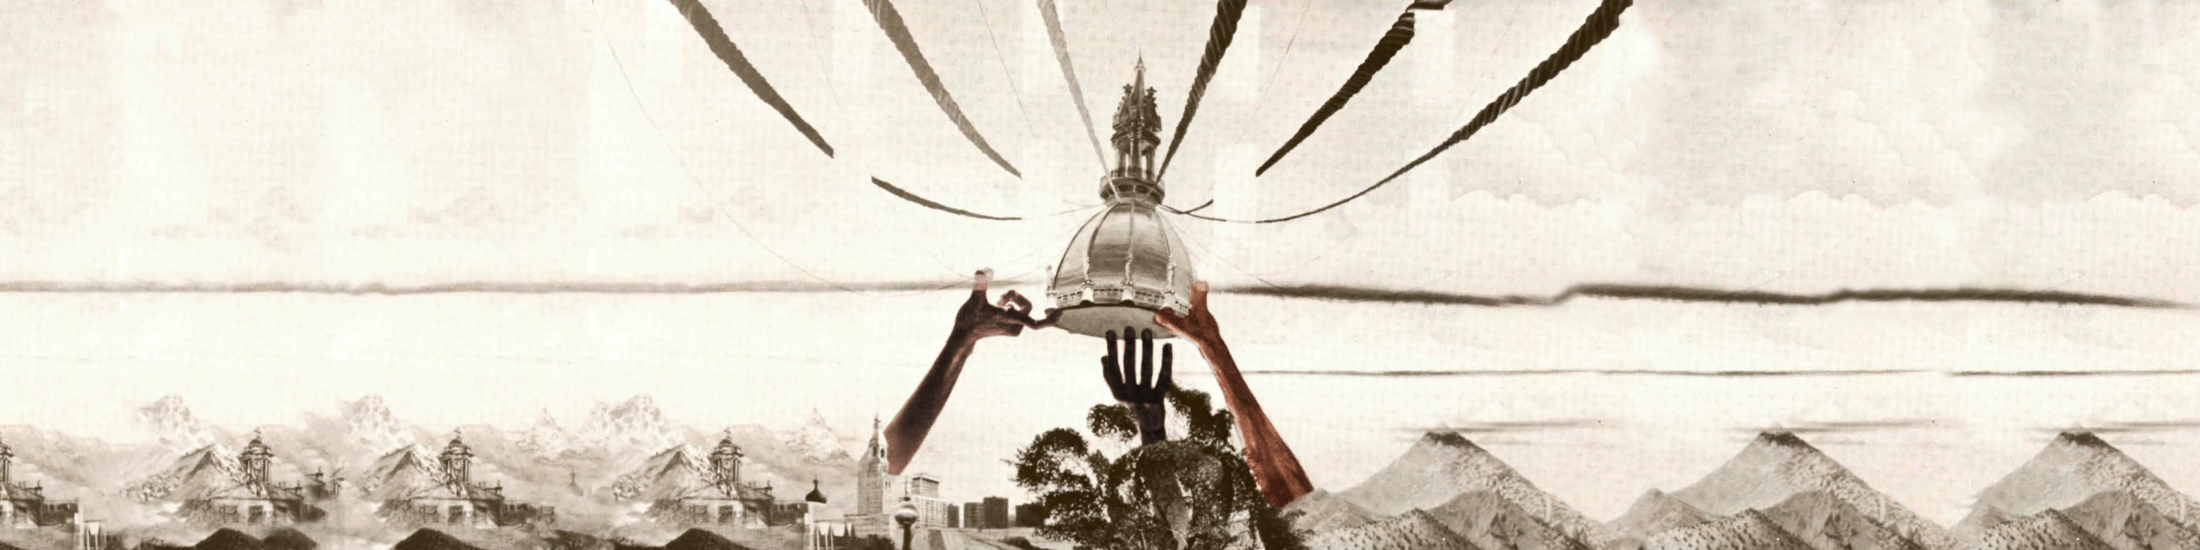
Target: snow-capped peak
point(173, 423)
point(815, 440)
point(635, 424)
point(545, 440)
point(372, 426)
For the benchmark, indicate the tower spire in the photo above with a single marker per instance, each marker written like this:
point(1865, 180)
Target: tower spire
point(1137, 134)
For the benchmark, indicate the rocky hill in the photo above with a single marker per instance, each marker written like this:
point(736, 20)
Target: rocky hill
point(2072, 468)
point(2048, 530)
point(1748, 530)
point(1776, 466)
point(1413, 530)
point(1444, 465)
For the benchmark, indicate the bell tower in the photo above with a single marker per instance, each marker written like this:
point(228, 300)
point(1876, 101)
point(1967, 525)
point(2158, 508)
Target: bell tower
point(7, 462)
point(457, 461)
point(1137, 135)
point(254, 462)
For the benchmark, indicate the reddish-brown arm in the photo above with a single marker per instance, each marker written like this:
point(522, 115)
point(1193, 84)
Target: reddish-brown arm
point(1275, 468)
point(976, 320)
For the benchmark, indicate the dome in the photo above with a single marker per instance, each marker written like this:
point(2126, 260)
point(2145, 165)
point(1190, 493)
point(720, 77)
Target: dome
point(1125, 263)
point(816, 495)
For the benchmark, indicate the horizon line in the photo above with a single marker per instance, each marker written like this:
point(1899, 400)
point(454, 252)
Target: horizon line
point(1335, 293)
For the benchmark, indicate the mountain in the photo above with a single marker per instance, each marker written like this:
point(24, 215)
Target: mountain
point(1655, 512)
point(545, 440)
point(1748, 530)
point(1322, 511)
point(633, 425)
point(1778, 465)
point(815, 440)
point(400, 474)
point(197, 474)
point(430, 539)
point(2126, 522)
point(670, 474)
point(177, 429)
point(1444, 465)
point(698, 539)
point(1413, 530)
point(370, 425)
point(229, 539)
point(1827, 523)
point(2048, 530)
point(1493, 522)
point(2074, 467)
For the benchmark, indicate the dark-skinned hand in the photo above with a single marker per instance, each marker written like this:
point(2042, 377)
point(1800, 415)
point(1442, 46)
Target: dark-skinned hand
point(979, 319)
point(1143, 393)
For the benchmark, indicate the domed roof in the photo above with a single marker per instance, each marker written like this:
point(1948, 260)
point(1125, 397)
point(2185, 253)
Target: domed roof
point(816, 495)
point(1125, 263)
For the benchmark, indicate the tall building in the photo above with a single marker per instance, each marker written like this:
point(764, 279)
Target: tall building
point(974, 515)
point(996, 513)
point(924, 492)
point(924, 485)
point(954, 516)
point(872, 481)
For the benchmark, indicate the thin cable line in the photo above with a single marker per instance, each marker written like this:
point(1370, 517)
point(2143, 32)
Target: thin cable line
point(1011, 75)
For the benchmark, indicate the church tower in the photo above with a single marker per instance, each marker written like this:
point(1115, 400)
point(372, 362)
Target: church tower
point(872, 481)
point(457, 461)
point(254, 462)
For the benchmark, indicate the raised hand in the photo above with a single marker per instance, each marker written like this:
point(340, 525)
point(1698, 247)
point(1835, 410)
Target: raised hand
point(1009, 317)
point(975, 320)
point(1142, 393)
point(1275, 468)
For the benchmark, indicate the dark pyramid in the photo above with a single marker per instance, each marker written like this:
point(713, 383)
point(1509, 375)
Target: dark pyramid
point(430, 539)
point(698, 539)
point(230, 539)
point(289, 539)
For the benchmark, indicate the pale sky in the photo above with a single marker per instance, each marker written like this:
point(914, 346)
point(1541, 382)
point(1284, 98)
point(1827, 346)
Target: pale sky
point(1775, 146)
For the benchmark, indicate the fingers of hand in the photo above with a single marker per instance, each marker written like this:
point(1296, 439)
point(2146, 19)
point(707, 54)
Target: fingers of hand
point(1168, 362)
point(1145, 367)
point(1199, 296)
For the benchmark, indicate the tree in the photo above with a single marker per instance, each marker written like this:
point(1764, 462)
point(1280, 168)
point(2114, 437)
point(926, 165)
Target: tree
point(1181, 494)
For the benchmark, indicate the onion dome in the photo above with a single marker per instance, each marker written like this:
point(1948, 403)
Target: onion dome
point(816, 495)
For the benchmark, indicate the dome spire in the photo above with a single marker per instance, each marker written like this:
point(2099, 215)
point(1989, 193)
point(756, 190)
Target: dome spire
point(1137, 135)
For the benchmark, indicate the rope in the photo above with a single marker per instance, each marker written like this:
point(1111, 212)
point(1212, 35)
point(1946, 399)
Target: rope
point(1595, 29)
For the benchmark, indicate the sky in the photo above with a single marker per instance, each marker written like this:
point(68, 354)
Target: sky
point(1783, 147)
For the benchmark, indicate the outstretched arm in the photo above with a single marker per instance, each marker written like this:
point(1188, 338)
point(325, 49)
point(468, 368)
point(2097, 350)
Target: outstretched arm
point(1274, 467)
point(976, 320)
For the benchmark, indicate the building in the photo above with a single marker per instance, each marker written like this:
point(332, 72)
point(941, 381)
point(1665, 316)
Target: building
point(879, 494)
point(924, 492)
point(973, 515)
point(719, 496)
point(954, 516)
point(996, 513)
point(872, 481)
point(23, 505)
point(247, 495)
point(417, 493)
